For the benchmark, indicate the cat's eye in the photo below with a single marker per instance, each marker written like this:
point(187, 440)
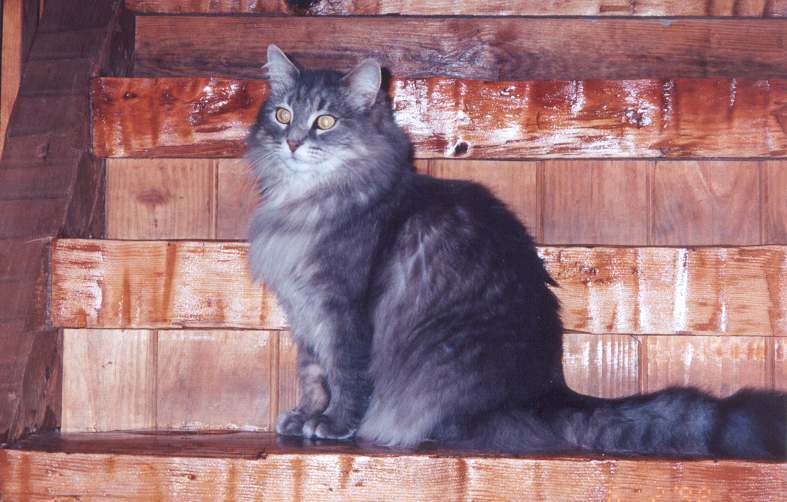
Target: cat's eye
point(326, 121)
point(283, 115)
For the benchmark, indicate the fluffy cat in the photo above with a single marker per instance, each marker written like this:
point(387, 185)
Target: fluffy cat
point(420, 307)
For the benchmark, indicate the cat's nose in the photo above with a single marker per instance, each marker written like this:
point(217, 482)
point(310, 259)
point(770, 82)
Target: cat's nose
point(293, 145)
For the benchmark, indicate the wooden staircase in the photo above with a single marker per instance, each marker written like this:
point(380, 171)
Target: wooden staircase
point(647, 156)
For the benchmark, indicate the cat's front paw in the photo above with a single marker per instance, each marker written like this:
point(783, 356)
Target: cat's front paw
point(291, 423)
point(327, 427)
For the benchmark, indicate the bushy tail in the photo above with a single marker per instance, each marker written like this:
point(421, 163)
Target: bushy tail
point(682, 422)
point(675, 422)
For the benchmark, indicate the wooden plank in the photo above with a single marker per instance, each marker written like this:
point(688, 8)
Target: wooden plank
point(20, 18)
point(252, 466)
point(56, 77)
point(33, 218)
point(774, 210)
point(30, 183)
point(39, 406)
point(515, 183)
point(734, 291)
point(601, 365)
point(160, 198)
point(48, 114)
point(157, 284)
point(215, 379)
point(236, 198)
point(502, 48)
point(24, 266)
point(109, 380)
point(596, 202)
point(753, 8)
point(210, 117)
point(86, 212)
point(719, 365)
point(706, 203)
point(30, 381)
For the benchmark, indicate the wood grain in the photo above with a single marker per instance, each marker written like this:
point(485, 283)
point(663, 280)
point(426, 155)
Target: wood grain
point(780, 363)
point(774, 206)
point(731, 291)
point(719, 365)
point(215, 379)
point(236, 198)
point(755, 8)
point(445, 118)
point(515, 183)
point(502, 48)
point(109, 380)
point(734, 291)
point(706, 203)
point(118, 284)
point(253, 466)
point(20, 18)
point(596, 202)
point(288, 389)
point(601, 365)
point(160, 198)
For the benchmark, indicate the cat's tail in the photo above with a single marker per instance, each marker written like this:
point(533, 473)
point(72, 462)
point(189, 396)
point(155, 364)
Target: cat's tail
point(675, 422)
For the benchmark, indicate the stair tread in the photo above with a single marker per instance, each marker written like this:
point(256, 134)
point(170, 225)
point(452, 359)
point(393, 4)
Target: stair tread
point(244, 465)
point(260, 445)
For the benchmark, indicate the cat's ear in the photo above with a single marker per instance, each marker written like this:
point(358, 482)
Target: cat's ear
point(364, 82)
point(282, 72)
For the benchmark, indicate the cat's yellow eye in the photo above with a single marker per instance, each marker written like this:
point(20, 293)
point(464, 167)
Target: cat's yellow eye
point(326, 121)
point(283, 115)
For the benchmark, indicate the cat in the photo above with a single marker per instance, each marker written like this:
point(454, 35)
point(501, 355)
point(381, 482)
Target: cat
point(420, 307)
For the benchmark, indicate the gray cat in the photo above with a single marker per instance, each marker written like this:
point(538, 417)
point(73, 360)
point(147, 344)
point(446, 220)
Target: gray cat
point(420, 307)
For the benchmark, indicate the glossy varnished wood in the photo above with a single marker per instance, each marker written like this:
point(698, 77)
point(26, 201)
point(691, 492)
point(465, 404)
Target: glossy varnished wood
point(755, 8)
point(117, 284)
point(247, 465)
point(210, 117)
point(496, 48)
point(735, 291)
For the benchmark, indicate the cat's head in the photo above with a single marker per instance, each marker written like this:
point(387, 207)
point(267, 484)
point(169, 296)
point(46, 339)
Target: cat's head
point(323, 125)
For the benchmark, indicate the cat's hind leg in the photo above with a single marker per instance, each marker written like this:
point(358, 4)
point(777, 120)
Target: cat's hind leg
point(314, 399)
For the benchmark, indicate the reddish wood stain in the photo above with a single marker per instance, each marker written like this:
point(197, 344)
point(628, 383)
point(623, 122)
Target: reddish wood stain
point(451, 118)
point(732, 291)
point(166, 466)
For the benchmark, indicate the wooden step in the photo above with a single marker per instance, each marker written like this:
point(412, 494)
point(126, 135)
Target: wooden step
point(160, 284)
point(587, 202)
point(183, 379)
point(745, 8)
point(210, 117)
point(257, 466)
point(498, 48)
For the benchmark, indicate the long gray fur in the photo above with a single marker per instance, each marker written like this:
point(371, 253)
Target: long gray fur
point(420, 307)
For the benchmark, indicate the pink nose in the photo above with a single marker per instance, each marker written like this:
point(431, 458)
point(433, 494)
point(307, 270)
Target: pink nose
point(293, 145)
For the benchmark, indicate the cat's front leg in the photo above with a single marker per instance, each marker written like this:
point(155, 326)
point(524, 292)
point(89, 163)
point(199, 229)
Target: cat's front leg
point(314, 395)
point(345, 361)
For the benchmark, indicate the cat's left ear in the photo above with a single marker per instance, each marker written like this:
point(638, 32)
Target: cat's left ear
point(364, 82)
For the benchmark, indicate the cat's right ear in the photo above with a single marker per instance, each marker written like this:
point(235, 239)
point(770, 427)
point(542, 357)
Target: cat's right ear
point(281, 72)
